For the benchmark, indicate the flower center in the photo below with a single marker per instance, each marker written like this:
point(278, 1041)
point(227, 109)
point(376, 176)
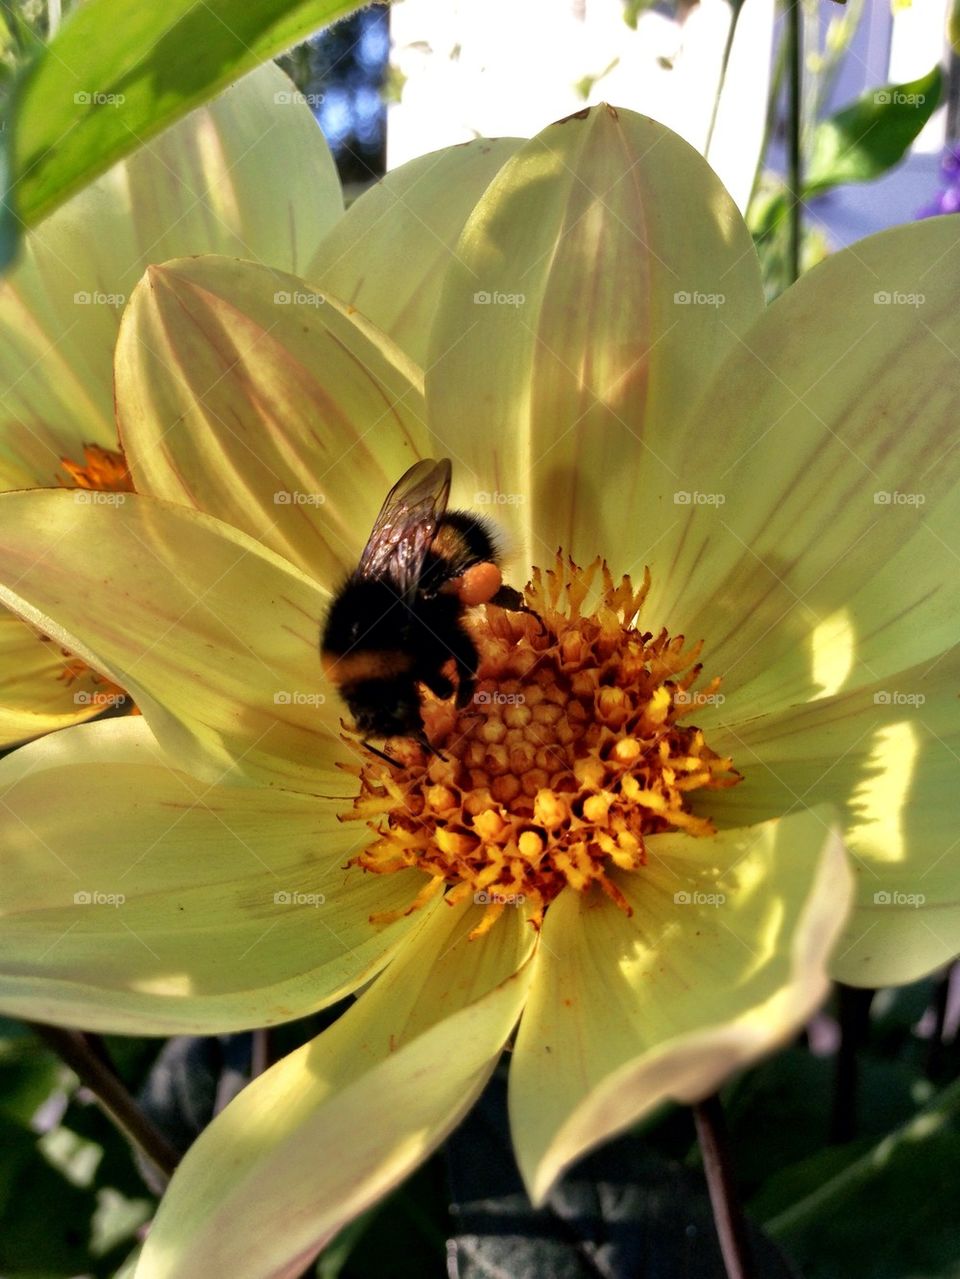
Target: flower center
point(102, 471)
point(570, 754)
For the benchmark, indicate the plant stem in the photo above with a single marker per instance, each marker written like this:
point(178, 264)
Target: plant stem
point(736, 6)
point(936, 1052)
point(87, 1057)
point(831, 56)
point(770, 124)
point(854, 1016)
point(727, 1210)
point(259, 1052)
point(794, 39)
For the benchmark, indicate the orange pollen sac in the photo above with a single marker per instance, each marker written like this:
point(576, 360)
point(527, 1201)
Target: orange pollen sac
point(569, 755)
point(102, 470)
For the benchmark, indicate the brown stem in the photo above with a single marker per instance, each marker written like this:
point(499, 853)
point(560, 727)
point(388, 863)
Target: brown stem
point(854, 1016)
point(936, 1051)
point(87, 1057)
point(259, 1052)
point(727, 1210)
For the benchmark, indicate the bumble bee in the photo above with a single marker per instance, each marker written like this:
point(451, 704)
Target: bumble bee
point(398, 618)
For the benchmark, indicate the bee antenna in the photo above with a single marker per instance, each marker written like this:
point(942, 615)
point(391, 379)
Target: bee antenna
point(382, 755)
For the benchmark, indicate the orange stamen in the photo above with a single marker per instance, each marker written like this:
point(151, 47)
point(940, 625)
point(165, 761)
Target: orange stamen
point(570, 755)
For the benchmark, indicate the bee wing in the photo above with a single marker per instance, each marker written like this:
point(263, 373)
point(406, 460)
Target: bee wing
point(405, 527)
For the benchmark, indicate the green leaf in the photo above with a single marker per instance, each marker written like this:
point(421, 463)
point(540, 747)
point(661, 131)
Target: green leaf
point(118, 72)
point(36, 1241)
point(331, 1262)
point(28, 1075)
point(21, 34)
point(868, 138)
point(778, 1113)
point(888, 1213)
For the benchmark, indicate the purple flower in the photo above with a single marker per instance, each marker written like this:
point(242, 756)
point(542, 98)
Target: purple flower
point(948, 200)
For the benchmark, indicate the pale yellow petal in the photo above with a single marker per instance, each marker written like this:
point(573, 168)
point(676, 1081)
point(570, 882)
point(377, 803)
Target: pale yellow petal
point(722, 960)
point(138, 900)
point(886, 757)
point(197, 188)
point(215, 637)
point(387, 255)
point(601, 278)
point(334, 1126)
point(252, 396)
point(816, 547)
point(36, 695)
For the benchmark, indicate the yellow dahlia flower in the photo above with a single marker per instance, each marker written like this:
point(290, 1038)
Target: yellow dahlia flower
point(645, 869)
point(198, 188)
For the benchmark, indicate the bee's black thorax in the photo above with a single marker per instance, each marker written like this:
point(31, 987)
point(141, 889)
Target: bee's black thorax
point(398, 620)
point(377, 647)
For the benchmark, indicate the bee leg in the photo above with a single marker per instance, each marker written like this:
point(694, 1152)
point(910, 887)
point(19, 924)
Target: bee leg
point(514, 602)
point(506, 597)
point(464, 653)
point(465, 689)
point(438, 684)
point(427, 745)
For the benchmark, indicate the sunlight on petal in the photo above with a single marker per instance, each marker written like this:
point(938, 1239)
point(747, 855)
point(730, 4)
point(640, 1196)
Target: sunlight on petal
point(883, 794)
point(571, 315)
point(387, 255)
point(169, 986)
point(833, 643)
